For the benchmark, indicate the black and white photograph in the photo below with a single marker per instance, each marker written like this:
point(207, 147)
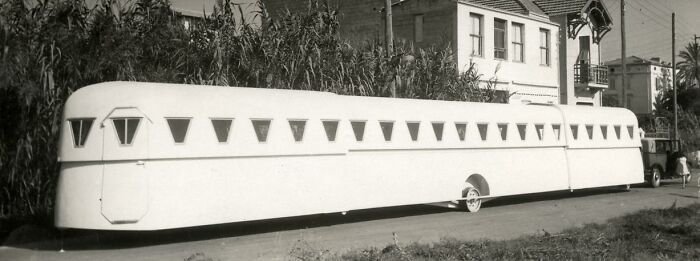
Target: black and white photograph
point(205, 130)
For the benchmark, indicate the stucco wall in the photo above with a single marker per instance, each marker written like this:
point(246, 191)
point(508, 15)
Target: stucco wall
point(529, 80)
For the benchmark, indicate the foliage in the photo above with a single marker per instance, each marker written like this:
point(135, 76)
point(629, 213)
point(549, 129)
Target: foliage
point(688, 119)
point(688, 68)
point(671, 233)
point(51, 48)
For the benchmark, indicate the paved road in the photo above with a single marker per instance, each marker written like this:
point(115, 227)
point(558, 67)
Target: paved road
point(502, 218)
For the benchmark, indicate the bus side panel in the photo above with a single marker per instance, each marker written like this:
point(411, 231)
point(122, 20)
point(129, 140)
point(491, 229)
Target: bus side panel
point(78, 197)
point(605, 167)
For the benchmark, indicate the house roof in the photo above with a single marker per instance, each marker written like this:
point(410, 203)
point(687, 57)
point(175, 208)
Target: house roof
point(514, 6)
point(635, 60)
point(560, 7)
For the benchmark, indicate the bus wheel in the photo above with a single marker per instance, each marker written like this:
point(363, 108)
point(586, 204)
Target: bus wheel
point(655, 180)
point(473, 202)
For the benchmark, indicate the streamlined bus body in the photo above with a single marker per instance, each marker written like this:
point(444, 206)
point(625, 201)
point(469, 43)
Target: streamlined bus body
point(149, 156)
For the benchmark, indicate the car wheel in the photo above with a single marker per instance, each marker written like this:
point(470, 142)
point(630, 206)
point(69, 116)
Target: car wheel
point(472, 200)
point(655, 180)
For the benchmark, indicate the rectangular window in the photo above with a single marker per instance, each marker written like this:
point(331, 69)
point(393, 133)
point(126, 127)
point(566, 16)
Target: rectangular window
point(262, 128)
point(483, 130)
point(499, 39)
point(418, 28)
point(589, 130)
point(437, 128)
point(612, 83)
point(413, 128)
point(331, 128)
point(544, 47)
point(80, 129)
point(221, 128)
point(126, 129)
point(574, 131)
point(556, 128)
point(358, 127)
point(518, 47)
point(387, 129)
point(522, 130)
point(629, 101)
point(461, 130)
point(476, 34)
point(178, 128)
point(297, 127)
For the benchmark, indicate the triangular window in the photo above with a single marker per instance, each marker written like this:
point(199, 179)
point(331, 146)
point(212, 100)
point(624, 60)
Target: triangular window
point(461, 130)
point(522, 130)
point(556, 128)
point(483, 130)
point(126, 129)
point(589, 130)
point(262, 128)
point(539, 128)
point(387, 129)
point(358, 127)
point(80, 129)
point(222, 127)
point(413, 128)
point(574, 131)
point(503, 130)
point(604, 131)
point(178, 128)
point(438, 128)
point(297, 127)
point(331, 128)
point(617, 131)
point(630, 130)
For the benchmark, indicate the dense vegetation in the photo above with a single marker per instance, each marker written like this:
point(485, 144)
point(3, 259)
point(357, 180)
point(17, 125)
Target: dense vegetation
point(668, 234)
point(50, 48)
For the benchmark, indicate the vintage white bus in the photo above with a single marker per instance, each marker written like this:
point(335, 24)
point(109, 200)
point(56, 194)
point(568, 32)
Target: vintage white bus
point(149, 156)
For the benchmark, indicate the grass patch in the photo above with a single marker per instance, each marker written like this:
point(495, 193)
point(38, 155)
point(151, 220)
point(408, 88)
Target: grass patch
point(670, 233)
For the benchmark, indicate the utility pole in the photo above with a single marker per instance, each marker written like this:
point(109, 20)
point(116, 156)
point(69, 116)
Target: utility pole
point(389, 39)
point(624, 51)
point(696, 77)
point(673, 73)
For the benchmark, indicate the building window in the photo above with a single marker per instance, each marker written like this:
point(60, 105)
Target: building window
point(418, 28)
point(544, 47)
point(476, 34)
point(499, 39)
point(80, 129)
point(518, 42)
point(612, 83)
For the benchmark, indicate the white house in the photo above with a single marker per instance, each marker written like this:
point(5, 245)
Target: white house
point(646, 78)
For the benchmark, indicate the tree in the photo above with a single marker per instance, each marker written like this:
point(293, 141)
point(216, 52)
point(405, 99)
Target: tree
point(688, 69)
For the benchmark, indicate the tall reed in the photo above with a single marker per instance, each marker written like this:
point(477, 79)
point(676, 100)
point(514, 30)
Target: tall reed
point(50, 49)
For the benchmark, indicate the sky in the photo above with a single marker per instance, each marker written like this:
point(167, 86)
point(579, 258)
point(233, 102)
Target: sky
point(648, 27)
point(647, 22)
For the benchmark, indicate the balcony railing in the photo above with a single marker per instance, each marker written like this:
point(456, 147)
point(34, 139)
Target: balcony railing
point(591, 74)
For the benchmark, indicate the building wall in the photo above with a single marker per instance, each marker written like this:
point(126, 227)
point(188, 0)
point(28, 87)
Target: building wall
point(438, 21)
point(360, 20)
point(642, 86)
point(569, 52)
point(527, 81)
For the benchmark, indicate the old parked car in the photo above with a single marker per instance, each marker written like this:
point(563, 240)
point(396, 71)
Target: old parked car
point(660, 156)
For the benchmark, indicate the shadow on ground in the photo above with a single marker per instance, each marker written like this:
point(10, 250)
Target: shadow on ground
point(75, 240)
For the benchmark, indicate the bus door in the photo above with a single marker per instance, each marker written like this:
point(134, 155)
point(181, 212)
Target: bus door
point(124, 179)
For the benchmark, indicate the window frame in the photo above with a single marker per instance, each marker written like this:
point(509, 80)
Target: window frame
point(505, 39)
point(126, 127)
point(477, 35)
point(546, 46)
point(80, 130)
point(230, 128)
point(187, 131)
point(521, 44)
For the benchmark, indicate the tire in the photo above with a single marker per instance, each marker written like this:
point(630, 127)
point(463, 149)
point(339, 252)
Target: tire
point(472, 201)
point(655, 179)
